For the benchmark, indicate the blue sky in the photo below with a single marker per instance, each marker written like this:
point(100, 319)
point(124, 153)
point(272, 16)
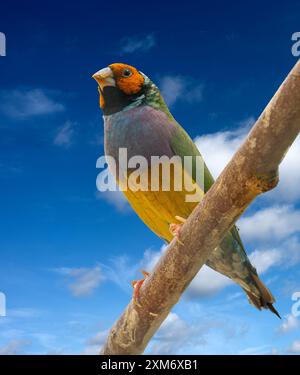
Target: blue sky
point(68, 253)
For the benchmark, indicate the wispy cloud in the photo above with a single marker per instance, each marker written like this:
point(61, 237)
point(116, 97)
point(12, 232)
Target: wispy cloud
point(136, 43)
point(65, 135)
point(289, 324)
point(82, 281)
point(218, 148)
point(95, 343)
point(179, 88)
point(295, 347)
point(151, 257)
point(256, 350)
point(21, 104)
point(207, 282)
point(174, 334)
point(14, 347)
point(182, 336)
point(286, 255)
point(289, 173)
point(265, 259)
point(121, 271)
point(271, 223)
point(116, 199)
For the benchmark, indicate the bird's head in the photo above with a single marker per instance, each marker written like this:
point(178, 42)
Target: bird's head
point(122, 86)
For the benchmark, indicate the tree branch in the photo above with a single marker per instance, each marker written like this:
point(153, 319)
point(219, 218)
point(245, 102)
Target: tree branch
point(252, 170)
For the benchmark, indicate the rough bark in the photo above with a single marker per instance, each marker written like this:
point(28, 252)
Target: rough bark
point(253, 170)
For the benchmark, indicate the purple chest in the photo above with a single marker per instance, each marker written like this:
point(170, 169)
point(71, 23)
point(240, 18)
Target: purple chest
point(142, 131)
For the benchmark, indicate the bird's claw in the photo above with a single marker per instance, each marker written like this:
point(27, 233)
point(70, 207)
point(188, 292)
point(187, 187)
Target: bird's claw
point(176, 228)
point(136, 284)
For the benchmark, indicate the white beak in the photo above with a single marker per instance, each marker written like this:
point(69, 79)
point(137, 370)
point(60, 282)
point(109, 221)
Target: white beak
point(104, 77)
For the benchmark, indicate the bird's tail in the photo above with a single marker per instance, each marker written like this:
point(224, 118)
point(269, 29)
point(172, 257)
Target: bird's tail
point(265, 300)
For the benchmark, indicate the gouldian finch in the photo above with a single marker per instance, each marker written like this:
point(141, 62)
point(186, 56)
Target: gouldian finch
point(137, 118)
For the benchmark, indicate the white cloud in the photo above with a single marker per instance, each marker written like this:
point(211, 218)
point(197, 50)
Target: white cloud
point(174, 88)
point(170, 335)
point(262, 260)
point(171, 88)
point(84, 280)
point(121, 272)
point(14, 347)
point(207, 282)
point(115, 198)
point(294, 348)
point(218, 149)
point(91, 350)
point(291, 251)
point(137, 43)
point(94, 345)
point(256, 350)
point(21, 104)
point(285, 256)
point(289, 175)
point(290, 323)
point(175, 335)
point(99, 338)
point(151, 258)
point(179, 336)
point(234, 296)
point(272, 223)
point(65, 135)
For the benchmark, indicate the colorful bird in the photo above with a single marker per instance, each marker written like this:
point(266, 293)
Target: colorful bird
point(137, 118)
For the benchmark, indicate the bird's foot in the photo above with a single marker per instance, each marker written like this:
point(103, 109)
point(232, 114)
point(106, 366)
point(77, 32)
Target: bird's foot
point(176, 228)
point(136, 284)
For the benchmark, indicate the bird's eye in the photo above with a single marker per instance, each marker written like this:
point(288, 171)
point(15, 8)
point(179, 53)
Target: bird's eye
point(126, 73)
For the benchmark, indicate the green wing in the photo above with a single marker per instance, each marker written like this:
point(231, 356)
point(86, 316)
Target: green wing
point(182, 145)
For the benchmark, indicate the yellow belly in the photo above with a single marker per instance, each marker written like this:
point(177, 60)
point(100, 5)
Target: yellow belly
point(158, 209)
